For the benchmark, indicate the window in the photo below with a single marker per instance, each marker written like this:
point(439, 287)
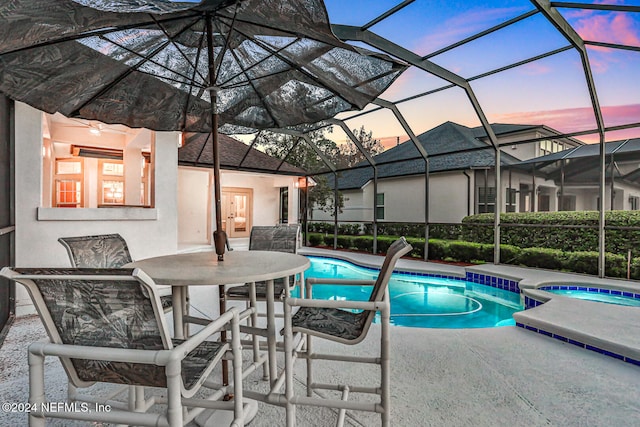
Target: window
point(511, 199)
point(284, 205)
point(486, 199)
point(380, 206)
point(67, 183)
point(549, 147)
point(85, 181)
point(634, 203)
point(567, 203)
point(111, 180)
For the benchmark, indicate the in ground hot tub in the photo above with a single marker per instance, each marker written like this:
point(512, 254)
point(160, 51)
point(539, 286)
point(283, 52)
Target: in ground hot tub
point(591, 293)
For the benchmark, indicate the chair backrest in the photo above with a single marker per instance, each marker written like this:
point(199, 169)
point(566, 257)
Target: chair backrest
point(117, 308)
point(280, 238)
point(101, 251)
point(396, 250)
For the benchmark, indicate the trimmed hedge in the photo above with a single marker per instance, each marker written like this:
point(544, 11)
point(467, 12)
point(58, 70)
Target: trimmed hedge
point(479, 228)
point(436, 231)
point(470, 252)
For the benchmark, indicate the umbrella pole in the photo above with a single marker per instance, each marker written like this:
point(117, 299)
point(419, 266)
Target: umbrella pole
point(219, 236)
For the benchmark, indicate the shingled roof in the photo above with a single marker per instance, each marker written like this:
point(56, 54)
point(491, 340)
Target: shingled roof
point(448, 137)
point(234, 155)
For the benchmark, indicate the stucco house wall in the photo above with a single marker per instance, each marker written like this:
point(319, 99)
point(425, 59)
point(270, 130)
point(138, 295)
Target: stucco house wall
point(159, 230)
point(149, 232)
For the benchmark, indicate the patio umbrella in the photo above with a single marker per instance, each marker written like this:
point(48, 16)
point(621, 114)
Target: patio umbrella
point(220, 64)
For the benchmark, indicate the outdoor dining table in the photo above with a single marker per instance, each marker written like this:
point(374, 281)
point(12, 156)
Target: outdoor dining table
point(238, 267)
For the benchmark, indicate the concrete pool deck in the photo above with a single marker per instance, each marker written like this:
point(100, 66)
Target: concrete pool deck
point(440, 377)
point(506, 376)
point(610, 329)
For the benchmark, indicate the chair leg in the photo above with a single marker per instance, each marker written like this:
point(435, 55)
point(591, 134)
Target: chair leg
point(36, 387)
point(271, 334)
point(236, 350)
point(253, 302)
point(174, 394)
point(385, 365)
point(309, 366)
point(288, 366)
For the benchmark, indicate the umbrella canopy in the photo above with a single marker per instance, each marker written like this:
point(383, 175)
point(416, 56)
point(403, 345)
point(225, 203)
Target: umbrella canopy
point(275, 63)
point(221, 64)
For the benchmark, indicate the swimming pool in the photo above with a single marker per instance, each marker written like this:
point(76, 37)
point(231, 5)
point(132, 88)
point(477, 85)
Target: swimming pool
point(590, 293)
point(422, 301)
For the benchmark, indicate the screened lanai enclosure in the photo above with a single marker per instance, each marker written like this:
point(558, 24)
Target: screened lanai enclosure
point(523, 79)
point(490, 86)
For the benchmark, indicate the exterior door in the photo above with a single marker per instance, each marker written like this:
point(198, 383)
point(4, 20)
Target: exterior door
point(237, 209)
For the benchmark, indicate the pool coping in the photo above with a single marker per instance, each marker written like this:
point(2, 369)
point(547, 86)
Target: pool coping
point(604, 328)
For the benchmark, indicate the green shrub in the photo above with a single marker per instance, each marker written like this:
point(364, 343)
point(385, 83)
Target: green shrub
point(615, 265)
point(471, 252)
point(437, 249)
point(583, 237)
point(315, 239)
point(345, 242)
point(349, 229)
point(418, 247)
point(583, 262)
point(509, 254)
point(551, 259)
point(396, 229)
point(464, 251)
point(321, 227)
point(363, 243)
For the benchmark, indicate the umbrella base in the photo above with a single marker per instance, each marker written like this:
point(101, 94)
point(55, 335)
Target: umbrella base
point(218, 417)
point(220, 241)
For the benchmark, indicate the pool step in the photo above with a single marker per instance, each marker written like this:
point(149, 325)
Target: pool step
point(609, 329)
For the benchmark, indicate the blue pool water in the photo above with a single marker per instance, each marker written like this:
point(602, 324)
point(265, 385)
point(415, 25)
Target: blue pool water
point(421, 301)
point(600, 295)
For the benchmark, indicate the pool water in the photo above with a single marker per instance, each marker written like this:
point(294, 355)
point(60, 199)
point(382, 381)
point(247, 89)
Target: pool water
point(598, 296)
point(421, 301)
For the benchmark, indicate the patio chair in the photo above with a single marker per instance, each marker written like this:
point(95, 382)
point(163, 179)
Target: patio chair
point(280, 238)
point(345, 322)
point(108, 326)
point(105, 251)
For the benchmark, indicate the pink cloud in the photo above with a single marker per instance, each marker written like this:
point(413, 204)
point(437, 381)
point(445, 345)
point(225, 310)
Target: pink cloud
point(461, 26)
point(611, 28)
point(607, 27)
point(577, 119)
point(535, 69)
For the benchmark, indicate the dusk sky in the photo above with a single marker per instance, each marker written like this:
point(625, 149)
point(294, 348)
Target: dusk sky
point(551, 91)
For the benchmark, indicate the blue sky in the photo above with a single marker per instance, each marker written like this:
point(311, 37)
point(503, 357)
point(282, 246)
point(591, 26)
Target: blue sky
point(550, 91)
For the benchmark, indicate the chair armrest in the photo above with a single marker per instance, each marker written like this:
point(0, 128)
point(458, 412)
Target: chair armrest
point(349, 305)
point(229, 316)
point(111, 354)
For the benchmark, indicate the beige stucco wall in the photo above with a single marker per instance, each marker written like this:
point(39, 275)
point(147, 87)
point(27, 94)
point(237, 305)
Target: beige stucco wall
point(196, 214)
point(149, 232)
point(404, 199)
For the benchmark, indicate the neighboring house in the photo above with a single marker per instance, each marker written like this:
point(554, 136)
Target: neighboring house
point(461, 178)
point(576, 175)
point(75, 177)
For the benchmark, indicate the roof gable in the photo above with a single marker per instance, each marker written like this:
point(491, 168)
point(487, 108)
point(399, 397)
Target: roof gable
point(448, 146)
point(234, 155)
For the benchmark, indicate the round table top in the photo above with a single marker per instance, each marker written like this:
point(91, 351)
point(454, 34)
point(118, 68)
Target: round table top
point(203, 268)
